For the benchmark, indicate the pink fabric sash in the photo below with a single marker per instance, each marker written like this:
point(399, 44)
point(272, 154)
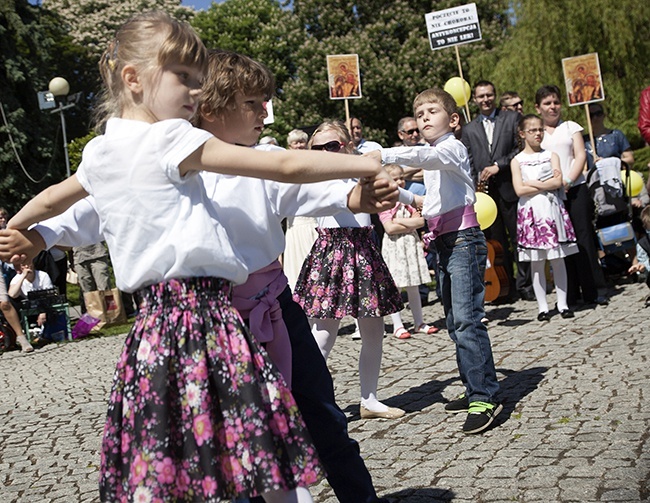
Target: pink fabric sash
point(454, 220)
point(257, 301)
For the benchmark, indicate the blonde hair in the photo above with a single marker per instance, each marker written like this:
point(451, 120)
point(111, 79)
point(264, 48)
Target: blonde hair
point(230, 73)
point(341, 131)
point(147, 41)
point(439, 96)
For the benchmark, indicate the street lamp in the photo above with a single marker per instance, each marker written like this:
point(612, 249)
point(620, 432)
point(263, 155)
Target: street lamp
point(57, 96)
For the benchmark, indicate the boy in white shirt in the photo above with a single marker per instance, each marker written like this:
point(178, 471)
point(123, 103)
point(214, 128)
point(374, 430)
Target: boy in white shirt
point(462, 251)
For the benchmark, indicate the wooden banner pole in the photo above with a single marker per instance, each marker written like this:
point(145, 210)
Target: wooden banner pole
point(591, 138)
point(460, 72)
point(347, 113)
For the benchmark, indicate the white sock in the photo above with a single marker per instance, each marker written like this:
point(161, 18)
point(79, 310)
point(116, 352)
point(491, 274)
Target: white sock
point(372, 338)
point(415, 303)
point(538, 274)
point(325, 332)
point(561, 283)
point(297, 495)
point(396, 318)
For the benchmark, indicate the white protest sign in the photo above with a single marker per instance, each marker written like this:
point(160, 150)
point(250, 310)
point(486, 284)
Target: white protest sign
point(448, 27)
point(270, 118)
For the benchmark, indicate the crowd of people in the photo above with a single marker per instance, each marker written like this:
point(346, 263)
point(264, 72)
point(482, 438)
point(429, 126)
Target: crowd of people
point(226, 361)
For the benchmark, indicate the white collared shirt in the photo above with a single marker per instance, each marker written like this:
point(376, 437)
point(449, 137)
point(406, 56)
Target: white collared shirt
point(447, 173)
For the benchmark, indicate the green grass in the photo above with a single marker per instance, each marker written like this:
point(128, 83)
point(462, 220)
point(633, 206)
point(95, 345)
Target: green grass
point(73, 293)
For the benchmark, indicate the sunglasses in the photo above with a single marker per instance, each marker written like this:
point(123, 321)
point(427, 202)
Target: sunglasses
point(410, 132)
point(515, 105)
point(330, 146)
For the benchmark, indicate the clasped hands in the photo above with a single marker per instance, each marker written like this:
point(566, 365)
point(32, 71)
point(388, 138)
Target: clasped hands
point(20, 246)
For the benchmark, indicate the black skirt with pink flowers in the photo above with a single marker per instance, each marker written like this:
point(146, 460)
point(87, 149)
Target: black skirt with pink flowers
point(197, 411)
point(345, 275)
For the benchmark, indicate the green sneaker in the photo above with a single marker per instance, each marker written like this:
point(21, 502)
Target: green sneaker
point(460, 404)
point(480, 416)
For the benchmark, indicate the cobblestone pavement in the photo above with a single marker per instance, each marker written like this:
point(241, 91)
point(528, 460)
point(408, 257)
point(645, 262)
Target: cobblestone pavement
point(573, 429)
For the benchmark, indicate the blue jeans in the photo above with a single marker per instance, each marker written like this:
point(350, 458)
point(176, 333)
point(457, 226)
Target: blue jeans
point(462, 257)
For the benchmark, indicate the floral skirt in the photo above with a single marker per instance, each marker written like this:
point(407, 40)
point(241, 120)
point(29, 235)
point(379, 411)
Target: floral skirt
point(345, 275)
point(197, 412)
point(544, 229)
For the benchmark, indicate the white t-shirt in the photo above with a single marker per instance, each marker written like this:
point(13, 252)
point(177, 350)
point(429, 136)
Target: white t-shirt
point(561, 142)
point(157, 225)
point(258, 233)
point(250, 209)
point(447, 173)
point(42, 281)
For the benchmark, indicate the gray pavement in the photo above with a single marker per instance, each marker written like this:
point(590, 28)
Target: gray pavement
point(573, 429)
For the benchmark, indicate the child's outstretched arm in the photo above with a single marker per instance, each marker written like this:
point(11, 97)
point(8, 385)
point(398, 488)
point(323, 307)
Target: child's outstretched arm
point(20, 246)
point(51, 202)
point(373, 195)
point(295, 166)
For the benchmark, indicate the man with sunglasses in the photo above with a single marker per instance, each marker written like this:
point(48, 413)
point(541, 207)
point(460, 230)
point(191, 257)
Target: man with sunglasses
point(408, 132)
point(510, 100)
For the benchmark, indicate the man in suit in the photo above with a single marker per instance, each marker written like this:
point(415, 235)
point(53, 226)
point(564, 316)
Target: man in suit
point(491, 139)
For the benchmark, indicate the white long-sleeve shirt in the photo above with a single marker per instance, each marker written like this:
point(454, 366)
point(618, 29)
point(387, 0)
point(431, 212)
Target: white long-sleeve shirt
point(447, 173)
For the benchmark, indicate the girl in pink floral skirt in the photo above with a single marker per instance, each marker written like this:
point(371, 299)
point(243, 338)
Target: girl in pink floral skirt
point(345, 275)
point(197, 412)
point(544, 230)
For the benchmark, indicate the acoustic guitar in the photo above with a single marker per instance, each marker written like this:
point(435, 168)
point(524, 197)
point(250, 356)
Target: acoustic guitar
point(496, 279)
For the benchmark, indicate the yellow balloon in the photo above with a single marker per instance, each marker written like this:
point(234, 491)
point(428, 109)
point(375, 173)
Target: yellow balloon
point(636, 183)
point(459, 89)
point(486, 210)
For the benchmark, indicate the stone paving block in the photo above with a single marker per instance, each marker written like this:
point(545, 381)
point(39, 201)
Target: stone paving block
point(578, 489)
point(573, 428)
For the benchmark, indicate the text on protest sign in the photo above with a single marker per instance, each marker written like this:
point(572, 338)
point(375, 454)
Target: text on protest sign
point(448, 27)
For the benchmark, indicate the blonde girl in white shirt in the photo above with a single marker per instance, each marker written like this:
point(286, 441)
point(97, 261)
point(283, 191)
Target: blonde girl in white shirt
point(196, 412)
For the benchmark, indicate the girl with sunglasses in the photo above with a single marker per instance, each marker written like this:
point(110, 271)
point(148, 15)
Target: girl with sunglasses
point(345, 275)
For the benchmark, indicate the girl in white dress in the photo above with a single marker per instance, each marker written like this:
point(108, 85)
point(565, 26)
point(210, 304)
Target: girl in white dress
point(403, 253)
point(544, 230)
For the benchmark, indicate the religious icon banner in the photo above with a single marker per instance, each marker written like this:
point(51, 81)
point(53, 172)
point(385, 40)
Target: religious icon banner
point(583, 80)
point(343, 76)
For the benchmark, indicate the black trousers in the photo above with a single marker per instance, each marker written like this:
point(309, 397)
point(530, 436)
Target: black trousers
point(584, 273)
point(313, 389)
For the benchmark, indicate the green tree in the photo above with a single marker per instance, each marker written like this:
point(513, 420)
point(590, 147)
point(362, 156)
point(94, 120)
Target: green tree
point(34, 47)
point(395, 57)
point(261, 29)
point(544, 33)
point(92, 23)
